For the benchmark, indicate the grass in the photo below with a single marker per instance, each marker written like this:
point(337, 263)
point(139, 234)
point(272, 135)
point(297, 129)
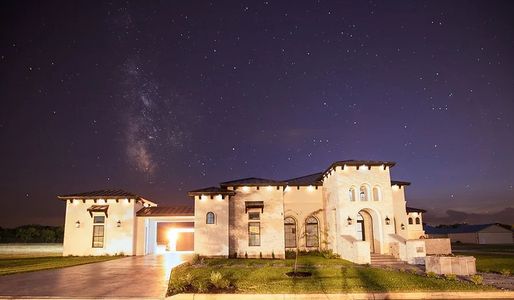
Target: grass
point(509, 248)
point(328, 276)
point(10, 265)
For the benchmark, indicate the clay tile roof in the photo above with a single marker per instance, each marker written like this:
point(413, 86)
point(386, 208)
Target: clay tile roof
point(312, 179)
point(101, 194)
point(168, 211)
point(399, 183)
point(211, 191)
point(413, 209)
point(251, 181)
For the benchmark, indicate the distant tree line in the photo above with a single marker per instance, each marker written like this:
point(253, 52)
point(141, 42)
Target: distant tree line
point(32, 234)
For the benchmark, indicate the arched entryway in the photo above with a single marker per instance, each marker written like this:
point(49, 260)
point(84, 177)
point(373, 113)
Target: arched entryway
point(365, 230)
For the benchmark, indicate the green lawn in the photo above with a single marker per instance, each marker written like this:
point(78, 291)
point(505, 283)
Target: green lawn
point(11, 265)
point(328, 276)
point(486, 248)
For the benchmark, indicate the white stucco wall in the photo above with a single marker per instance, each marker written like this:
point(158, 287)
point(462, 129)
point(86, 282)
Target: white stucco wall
point(302, 202)
point(271, 222)
point(211, 239)
point(336, 189)
point(117, 240)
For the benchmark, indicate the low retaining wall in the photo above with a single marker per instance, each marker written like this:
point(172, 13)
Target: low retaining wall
point(458, 265)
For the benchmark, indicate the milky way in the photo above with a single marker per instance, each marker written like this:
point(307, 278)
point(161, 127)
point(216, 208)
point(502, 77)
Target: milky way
point(159, 98)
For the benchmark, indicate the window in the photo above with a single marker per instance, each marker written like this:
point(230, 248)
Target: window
point(254, 215)
point(311, 232)
point(376, 193)
point(417, 221)
point(254, 234)
point(364, 192)
point(98, 232)
point(410, 221)
point(98, 236)
point(352, 193)
point(210, 218)
point(290, 232)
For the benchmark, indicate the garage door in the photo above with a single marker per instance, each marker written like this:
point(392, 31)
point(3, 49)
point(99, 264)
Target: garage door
point(185, 241)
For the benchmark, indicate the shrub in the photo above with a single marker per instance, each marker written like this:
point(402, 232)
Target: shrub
point(177, 285)
point(201, 285)
point(476, 279)
point(505, 272)
point(188, 279)
point(195, 259)
point(260, 255)
point(329, 254)
point(432, 275)
point(272, 255)
point(450, 277)
point(290, 254)
point(246, 254)
point(218, 281)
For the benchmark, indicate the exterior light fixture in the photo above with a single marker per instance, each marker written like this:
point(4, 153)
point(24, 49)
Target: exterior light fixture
point(349, 220)
point(403, 226)
point(118, 224)
point(77, 224)
point(388, 221)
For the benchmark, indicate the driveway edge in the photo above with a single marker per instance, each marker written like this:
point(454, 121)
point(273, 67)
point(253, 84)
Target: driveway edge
point(414, 295)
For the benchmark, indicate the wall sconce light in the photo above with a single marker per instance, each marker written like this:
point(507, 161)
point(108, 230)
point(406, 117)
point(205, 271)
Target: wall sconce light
point(118, 224)
point(349, 220)
point(403, 226)
point(77, 224)
point(388, 221)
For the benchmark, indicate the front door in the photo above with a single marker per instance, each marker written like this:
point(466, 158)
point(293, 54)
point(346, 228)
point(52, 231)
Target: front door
point(361, 235)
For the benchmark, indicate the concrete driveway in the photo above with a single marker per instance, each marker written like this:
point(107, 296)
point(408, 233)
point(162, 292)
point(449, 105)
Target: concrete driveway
point(136, 276)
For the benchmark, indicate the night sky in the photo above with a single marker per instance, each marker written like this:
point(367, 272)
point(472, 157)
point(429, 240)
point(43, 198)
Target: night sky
point(159, 98)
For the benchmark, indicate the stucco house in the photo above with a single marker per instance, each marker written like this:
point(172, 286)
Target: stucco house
point(352, 208)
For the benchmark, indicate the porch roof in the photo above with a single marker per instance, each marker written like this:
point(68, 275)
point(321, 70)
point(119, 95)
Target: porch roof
point(165, 211)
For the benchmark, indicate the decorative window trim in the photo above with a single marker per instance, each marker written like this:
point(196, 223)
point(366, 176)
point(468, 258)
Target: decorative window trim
point(207, 215)
point(308, 224)
point(290, 224)
point(258, 234)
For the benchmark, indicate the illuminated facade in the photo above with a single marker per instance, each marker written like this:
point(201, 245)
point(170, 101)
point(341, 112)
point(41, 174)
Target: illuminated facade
point(353, 208)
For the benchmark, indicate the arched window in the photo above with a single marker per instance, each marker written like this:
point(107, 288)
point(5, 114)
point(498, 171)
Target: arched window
point(410, 221)
point(376, 193)
point(311, 232)
point(352, 193)
point(364, 192)
point(290, 232)
point(210, 218)
point(417, 220)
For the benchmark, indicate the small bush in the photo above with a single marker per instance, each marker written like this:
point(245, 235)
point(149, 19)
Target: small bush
point(218, 281)
point(196, 259)
point(505, 272)
point(272, 255)
point(450, 277)
point(189, 279)
point(476, 279)
point(201, 285)
point(260, 255)
point(177, 285)
point(432, 275)
point(290, 254)
point(246, 254)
